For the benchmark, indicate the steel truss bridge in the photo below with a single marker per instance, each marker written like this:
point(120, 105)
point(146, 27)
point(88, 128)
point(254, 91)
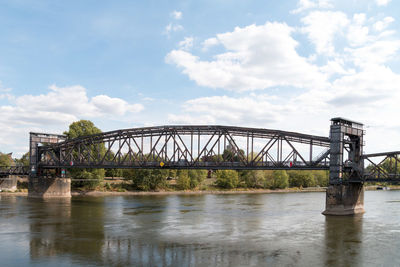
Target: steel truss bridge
point(200, 147)
point(190, 147)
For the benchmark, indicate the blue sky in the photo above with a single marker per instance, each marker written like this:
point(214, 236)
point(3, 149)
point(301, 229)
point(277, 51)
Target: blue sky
point(289, 65)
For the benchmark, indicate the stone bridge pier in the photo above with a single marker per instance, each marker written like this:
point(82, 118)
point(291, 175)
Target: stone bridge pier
point(9, 183)
point(345, 193)
point(40, 186)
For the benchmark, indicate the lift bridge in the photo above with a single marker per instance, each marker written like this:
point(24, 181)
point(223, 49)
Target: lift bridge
point(213, 148)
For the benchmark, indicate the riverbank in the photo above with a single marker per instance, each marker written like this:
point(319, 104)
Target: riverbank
point(195, 192)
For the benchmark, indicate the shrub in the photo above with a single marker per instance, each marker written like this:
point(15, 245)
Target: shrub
point(301, 179)
point(227, 179)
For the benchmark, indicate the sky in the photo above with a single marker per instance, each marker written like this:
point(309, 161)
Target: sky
point(288, 65)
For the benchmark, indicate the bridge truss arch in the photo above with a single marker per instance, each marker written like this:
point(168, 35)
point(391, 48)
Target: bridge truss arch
point(189, 147)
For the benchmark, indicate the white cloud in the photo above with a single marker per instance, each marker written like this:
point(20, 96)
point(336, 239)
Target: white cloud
point(114, 106)
point(303, 5)
point(321, 28)
point(383, 24)
point(55, 110)
point(358, 33)
point(186, 44)
point(374, 53)
point(172, 28)
point(256, 57)
point(351, 77)
point(382, 2)
point(210, 42)
point(228, 110)
point(176, 15)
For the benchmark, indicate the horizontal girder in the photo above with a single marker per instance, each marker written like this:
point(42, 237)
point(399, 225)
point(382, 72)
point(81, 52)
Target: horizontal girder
point(14, 170)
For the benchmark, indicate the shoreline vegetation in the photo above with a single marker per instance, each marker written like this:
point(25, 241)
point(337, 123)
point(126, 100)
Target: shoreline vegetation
point(119, 187)
point(216, 191)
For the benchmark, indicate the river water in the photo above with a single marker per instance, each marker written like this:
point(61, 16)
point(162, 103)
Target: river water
point(285, 229)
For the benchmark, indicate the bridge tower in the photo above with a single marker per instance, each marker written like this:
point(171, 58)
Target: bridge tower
point(39, 184)
point(345, 193)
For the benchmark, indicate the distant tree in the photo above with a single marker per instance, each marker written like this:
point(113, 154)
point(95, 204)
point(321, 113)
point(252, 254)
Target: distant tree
point(146, 179)
point(252, 178)
point(190, 179)
point(183, 180)
point(24, 160)
point(197, 177)
point(281, 179)
point(85, 128)
point(5, 160)
point(301, 178)
point(321, 178)
point(227, 179)
point(389, 165)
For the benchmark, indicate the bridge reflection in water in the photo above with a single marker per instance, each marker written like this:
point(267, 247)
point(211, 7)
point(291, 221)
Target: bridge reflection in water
point(227, 230)
point(343, 240)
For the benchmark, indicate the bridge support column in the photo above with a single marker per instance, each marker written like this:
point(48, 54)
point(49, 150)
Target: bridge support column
point(9, 183)
point(344, 199)
point(41, 187)
point(345, 194)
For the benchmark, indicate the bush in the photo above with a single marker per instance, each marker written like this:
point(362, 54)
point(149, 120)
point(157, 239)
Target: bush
point(183, 180)
point(197, 177)
point(252, 179)
point(190, 179)
point(281, 179)
point(93, 176)
point(113, 173)
point(301, 179)
point(227, 179)
point(321, 178)
point(144, 179)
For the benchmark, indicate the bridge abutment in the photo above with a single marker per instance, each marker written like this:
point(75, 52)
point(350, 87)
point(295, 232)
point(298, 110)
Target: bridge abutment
point(40, 187)
point(345, 199)
point(9, 183)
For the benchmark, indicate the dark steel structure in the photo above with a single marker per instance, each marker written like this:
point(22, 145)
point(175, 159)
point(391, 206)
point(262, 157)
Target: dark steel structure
point(197, 147)
point(385, 169)
point(13, 170)
point(215, 147)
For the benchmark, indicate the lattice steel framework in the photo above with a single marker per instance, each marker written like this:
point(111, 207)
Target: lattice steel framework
point(385, 170)
point(205, 147)
point(13, 170)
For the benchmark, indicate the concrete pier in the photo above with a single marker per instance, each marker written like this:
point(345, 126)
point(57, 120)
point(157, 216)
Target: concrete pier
point(49, 187)
point(9, 183)
point(344, 199)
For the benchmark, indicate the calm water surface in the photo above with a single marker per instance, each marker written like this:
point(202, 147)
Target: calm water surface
point(198, 230)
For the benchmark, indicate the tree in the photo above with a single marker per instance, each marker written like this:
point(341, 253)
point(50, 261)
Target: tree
point(24, 160)
point(190, 179)
point(301, 178)
point(85, 128)
point(321, 177)
point(145, 179)
point(281, 179)
point(252, 178)
point(197, 177)
point(183, 181)
point(5, 160)
point(227, 179)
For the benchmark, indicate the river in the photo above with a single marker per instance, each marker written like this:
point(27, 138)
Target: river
point(285, 229)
